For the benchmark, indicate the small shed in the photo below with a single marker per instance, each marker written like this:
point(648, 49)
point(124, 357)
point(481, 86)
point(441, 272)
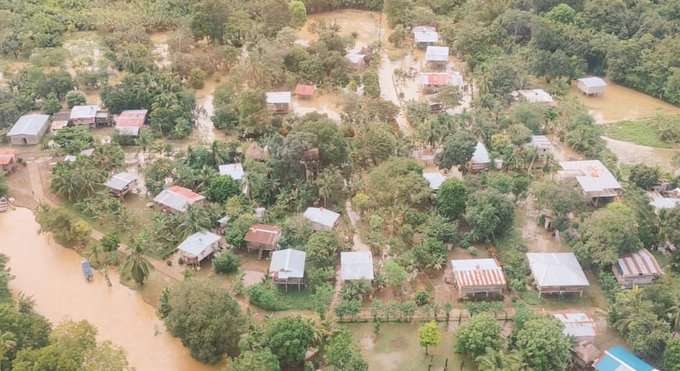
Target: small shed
point(59, 120)
point(435, 179)
point(84, 115)
point(279, 101)
point(637, 269)
point(541, 144)
point(29, 129)
point(305, 90)
point(122, 183)
point(263, 237)
point(478, 276)
point(619, 359)
point(577, 325)
point(321, 219)
point(534, 96)
point(234, 171)
point(425, 36)
point(557, 273)
point(288, 267)
point(480, 158)
point(356, 265)
point(595, 180)
point(199, 246)
point(437, 56)
point(177, 199)
point(8, 160)
point(591, 86)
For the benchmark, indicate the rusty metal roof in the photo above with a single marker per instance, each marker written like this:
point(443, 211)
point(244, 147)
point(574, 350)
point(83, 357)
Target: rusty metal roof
point(477, 272)
point(263, 234)
point(640, 263)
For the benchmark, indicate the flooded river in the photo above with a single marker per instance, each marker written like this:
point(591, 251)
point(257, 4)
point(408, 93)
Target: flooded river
point(51, 275)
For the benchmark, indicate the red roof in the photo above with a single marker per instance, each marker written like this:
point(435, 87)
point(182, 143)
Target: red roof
point(477, 272)
point(263, 234)
point(7, 156)
point(185, 193)
point(639, 263)
point(134, 118)
point(437, 79)
point(305, 90)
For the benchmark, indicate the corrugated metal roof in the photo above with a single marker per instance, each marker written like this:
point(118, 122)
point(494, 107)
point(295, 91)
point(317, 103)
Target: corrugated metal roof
point(664, 202)
point(536, 96)
point(477, 272)
point(619, 359)
point(235, 171)
point(131, 118)
point(355, 57)
point(481, 154)
point(31, 124)
point(177, 198)
point(356, 265)
point(305, 90)
point(591, 175)
point(131, 131)
point(288, 263)
point(592, 82)
point(121, 180)
point(198, 243)
point(577, 324)
point(435, 179)
point(263, 234)
point(321, 216)
point(540, 142)
point(278, 97)
point(425, 34)
point(436, 79)
point(437, 54)
point(84, 112)
point(556, 269)
point(639, 263)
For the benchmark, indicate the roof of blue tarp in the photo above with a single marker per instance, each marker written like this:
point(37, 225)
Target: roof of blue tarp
point(619, 359)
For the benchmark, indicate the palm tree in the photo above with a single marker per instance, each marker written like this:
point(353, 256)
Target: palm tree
point(497, 360)
point(136, 265)
point(195, 219)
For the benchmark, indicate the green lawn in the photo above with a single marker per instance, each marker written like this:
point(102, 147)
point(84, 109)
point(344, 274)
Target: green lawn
point(638, 132)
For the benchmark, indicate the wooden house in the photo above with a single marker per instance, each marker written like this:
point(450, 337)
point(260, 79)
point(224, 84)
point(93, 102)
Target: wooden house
point(177, 199)
point(557, 273)
point(637, 269)
point(480, 160)
point(278, 101)
point(478, 276)
point(287, 267)
point(596, 181)
point(263, 238)
point(84, 115)
point(122, 183)
point(130, 123)
point(321, 219)
point(199, 246)
point(424, 36)
point(437, 57)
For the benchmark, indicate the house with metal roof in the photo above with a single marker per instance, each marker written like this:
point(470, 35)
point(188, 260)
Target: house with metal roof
point(619, 359)
point(177, 199)
point(29, 129)
point(122, 183)
point(234, 171)
point(288, 267)
point(637, 269)
point(424, 36)
point(437, 56)
point(59, 120)
point(534, 96)
point(577, 325)
point(541, 144)
point(591, 85)
point(304, 90)
point(356, 265)
point(478, 276)
point(129, 123)
point(557, 273)
point(199, 246)
point(435, 179)
point(279, 101)
point(262, 237)
point(321, 219)
point(480, 158)
point(431, 82)
point(595, 180)
point(84, 115)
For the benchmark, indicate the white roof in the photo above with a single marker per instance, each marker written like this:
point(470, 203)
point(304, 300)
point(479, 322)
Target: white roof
point(355, 57)
point(84, 112)
point(556, 269)
point(196, 244)
point(592, 82)
point(536, 96)
point(174, 200)
point(278, 97)
point(437, 54)
point(591, 175)
point(288, 263)
point(121, 180)
point(664, 202)
point(425, 34)
point(321, 216)
point(356, 265)
point(481, 154)
point(435, 179)
point(576, 324)
point(235, 171)
point(540, 142)
point(31, 124)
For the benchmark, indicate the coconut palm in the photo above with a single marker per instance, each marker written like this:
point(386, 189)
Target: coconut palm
point(497, 360)
point(136, 265)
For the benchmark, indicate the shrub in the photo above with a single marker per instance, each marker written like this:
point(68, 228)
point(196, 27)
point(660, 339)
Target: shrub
point(75, 98)
point(264, 295)
point(422, 298)
point(227, 262)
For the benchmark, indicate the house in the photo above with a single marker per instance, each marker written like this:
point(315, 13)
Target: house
point(557, 273)
point(431, 82)
point(278, 101)
point(59, 120)
point(199, 246)
point(636, 269)
point(8, 160)
point(541, 144)
point(321, 219)
point(234, 171)
point(585, 354)
point(263, 237)
point(435, 179)
point(129, 123)
point(356, 58)
point(619, 359)
point(84, 115)
point(222, 224)
point(591, 86)
point(304, 90)
point(356, 265)
point(425, 36)
point(577, 325)
point(595, 180)
point(437, 56)
point(425, 155)
point(177, 199)
point(480, 158)
point(287, 267)
point(29, 129)
point(122, 183)
point(478, 276)
point(534, 96)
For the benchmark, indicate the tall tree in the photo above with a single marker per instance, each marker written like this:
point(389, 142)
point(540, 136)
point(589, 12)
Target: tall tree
point(136, 265)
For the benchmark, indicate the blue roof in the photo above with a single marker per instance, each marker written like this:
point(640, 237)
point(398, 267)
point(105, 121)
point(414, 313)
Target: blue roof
point(619, 359)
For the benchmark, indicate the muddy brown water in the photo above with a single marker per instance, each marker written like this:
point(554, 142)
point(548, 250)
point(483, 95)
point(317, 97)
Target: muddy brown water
point(51, 275)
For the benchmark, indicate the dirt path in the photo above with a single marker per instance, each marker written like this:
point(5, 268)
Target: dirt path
point(389, 91)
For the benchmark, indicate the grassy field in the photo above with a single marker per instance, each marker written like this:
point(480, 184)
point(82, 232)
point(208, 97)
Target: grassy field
point(638, 132)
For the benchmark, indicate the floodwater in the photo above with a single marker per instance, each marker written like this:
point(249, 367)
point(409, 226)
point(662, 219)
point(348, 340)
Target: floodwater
point(619, 103)
point(204, 101)
point(51, 275)
point(328, 104)
point(367, 26)
point(630, 153)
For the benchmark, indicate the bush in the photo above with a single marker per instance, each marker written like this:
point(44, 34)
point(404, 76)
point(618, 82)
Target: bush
point(75, 98)
point(422, 298)
point(227, 262)
point(264, 295)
